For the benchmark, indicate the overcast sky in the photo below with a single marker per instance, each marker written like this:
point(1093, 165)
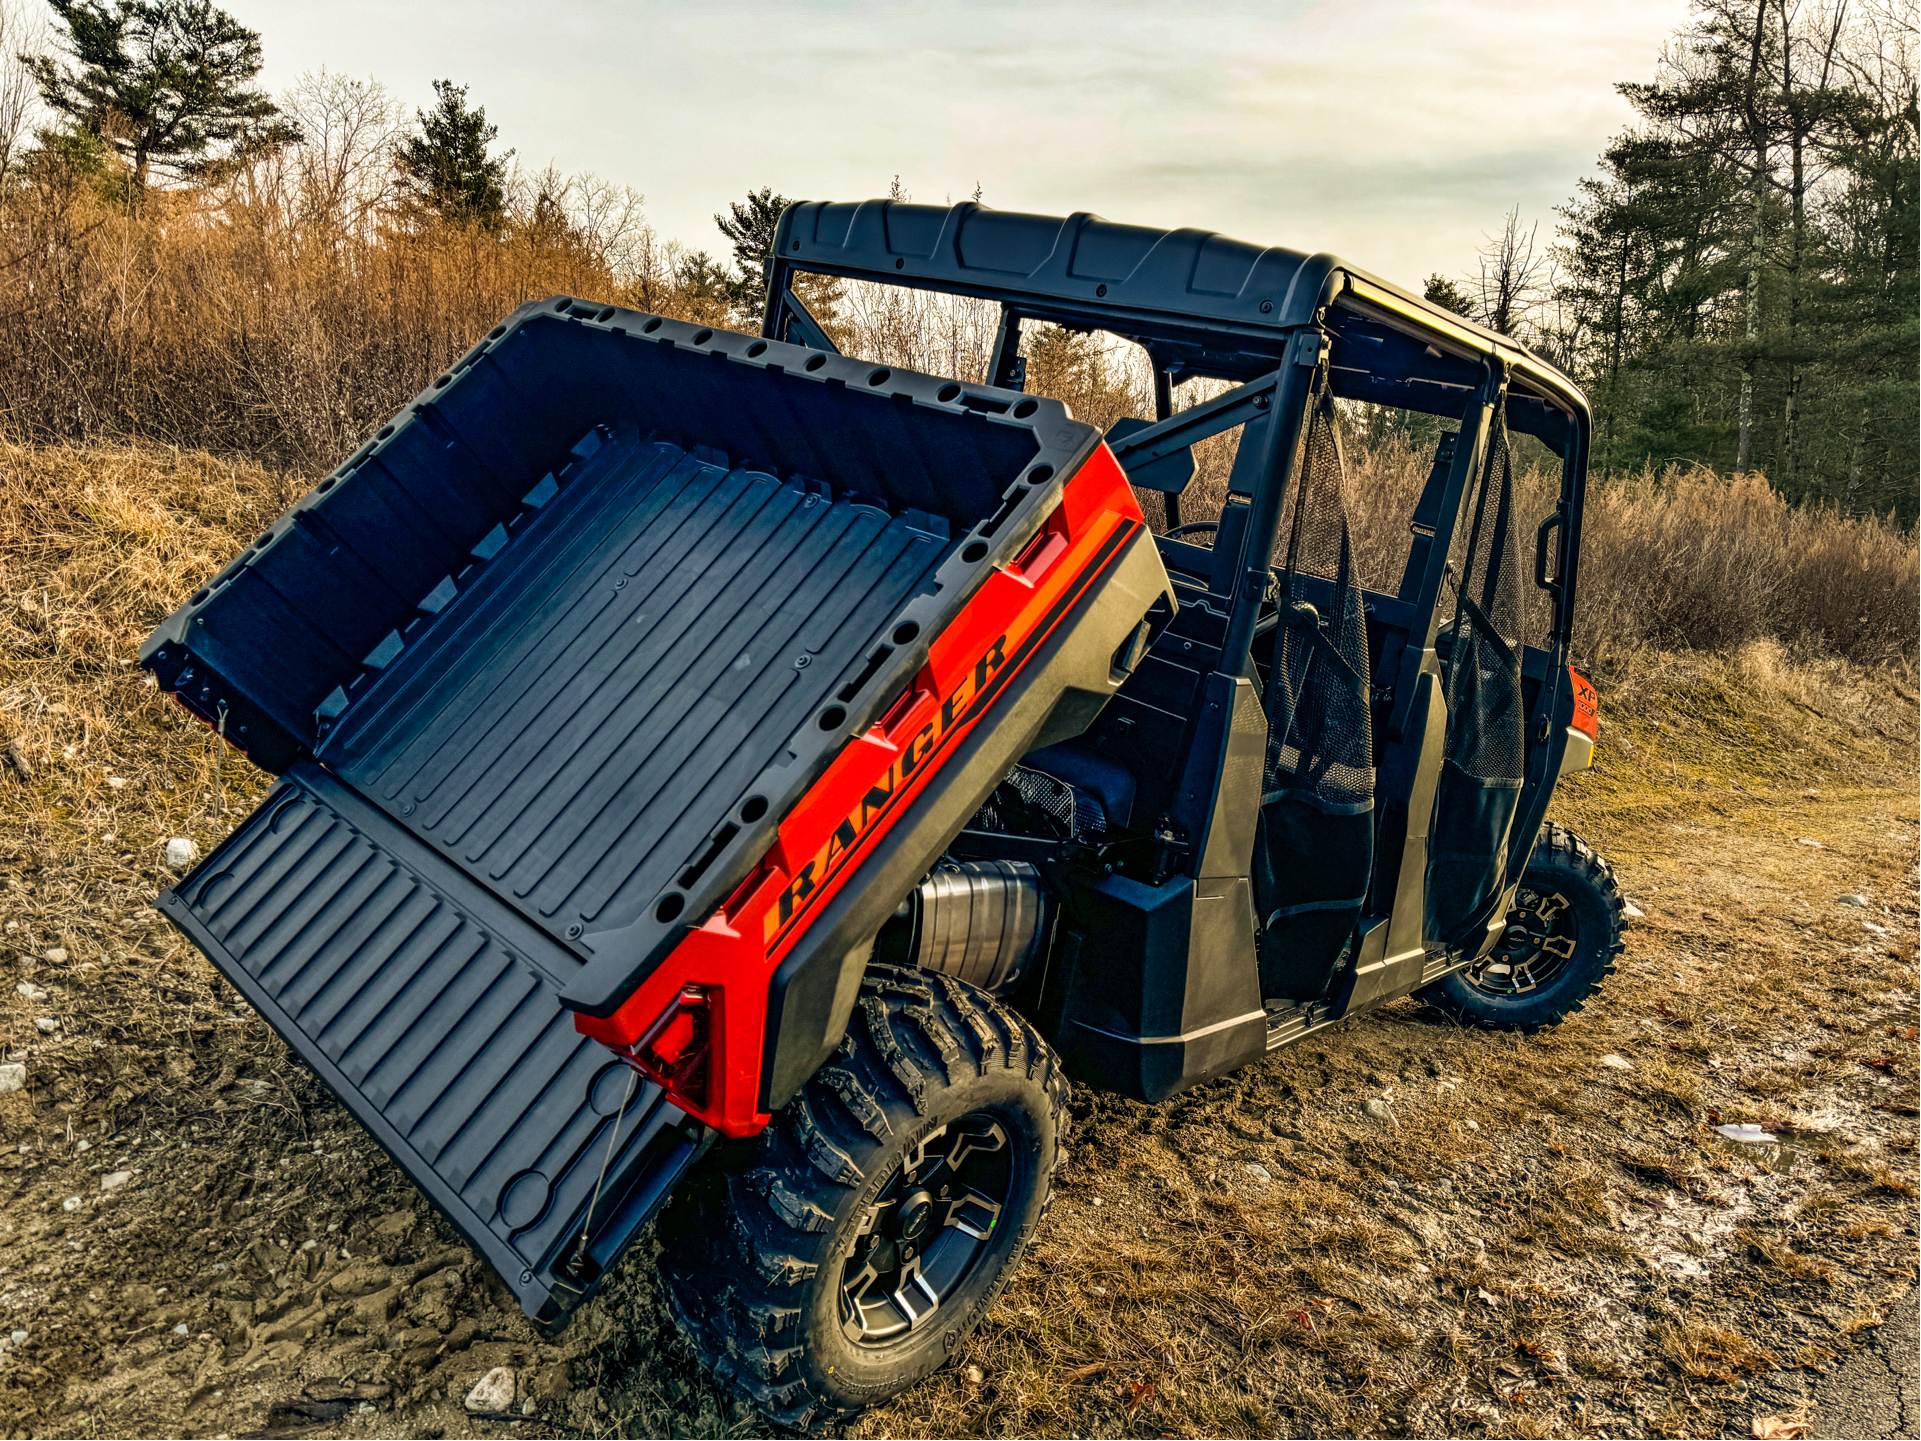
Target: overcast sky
point(1392, 132)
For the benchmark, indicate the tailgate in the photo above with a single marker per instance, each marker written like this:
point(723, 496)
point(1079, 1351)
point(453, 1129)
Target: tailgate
point(429, 1009)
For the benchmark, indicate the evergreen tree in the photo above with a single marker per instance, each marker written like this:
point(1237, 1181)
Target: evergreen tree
point(749, 225)
point(446, 167)
point(1741, 273)
point(1445, 293)
point(706, 289)
point(165, 82)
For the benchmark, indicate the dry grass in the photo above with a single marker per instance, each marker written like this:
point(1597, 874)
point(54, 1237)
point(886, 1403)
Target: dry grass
point(97, 545)
point(1679, 559)
point(1462, 1273)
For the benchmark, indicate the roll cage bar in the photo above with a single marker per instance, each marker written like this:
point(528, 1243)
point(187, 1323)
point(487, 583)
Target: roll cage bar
point(1204, 305)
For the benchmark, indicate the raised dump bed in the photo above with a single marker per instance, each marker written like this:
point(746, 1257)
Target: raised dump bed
point(542, 667)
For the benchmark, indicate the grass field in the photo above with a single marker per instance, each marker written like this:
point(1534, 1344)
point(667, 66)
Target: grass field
point(1548, 1240)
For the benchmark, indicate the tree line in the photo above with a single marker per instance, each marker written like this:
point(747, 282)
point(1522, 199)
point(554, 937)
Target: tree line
point(1736, 285)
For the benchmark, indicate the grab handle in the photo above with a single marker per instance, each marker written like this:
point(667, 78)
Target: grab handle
point(1549, 526)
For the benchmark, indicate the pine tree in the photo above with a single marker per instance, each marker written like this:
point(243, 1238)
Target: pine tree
point(750, 225)
point(165, 82)
point(446, 167)
point(1741, 273)
point(1445, 293)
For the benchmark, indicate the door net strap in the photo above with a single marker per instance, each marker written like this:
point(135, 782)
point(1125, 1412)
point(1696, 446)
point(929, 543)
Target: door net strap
point(1320, 736)
point(1486, 729)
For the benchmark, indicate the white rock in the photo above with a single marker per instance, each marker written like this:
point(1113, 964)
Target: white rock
point(1473, 1125)
point(72, 1203)
point(1748, 1135)
point(493, 1392)
point(1632, 911)
point(83, 1144)
point(114, 1180)
point(57, 955)
point(181, 853)
point(31, 991)
point(975, 1376)
point(1806, 841)
point(19, 1338)
point(46, 1024)
point(1259, 1173)
point(116, 781)
point(181, 1329)
point(1873, 929)
point(1616, 1063)
point(1850, 898)
point(1380, 1112)
point(13, 1077)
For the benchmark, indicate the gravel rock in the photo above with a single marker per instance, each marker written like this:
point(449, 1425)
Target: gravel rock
point(181, 853)
point(1850, 898)
point(114, 1180)
point(13, 1077)
point(493, 1392)
point(31, 991)
point(46, 1024)
point(57, 955)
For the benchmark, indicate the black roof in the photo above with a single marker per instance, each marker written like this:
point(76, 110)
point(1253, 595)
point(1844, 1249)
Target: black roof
point(1202, 303)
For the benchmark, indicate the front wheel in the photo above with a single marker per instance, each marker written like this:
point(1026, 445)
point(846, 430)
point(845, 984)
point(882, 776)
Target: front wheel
point(1563, 937)
point(884, 1211)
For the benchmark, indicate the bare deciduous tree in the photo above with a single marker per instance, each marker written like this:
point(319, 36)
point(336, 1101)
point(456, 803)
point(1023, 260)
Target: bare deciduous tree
point(342, 173)
point(1515, 276)
point(23, 32)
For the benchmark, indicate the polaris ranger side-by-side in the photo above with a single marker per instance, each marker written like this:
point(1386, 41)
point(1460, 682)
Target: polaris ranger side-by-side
point(725, 778)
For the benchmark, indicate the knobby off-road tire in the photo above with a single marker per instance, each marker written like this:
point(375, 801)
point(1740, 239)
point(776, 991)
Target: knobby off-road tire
point(925, 1147)
point(1563, 939)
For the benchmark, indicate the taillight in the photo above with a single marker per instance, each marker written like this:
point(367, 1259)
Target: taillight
point(1587, 705)
point(675, 1051)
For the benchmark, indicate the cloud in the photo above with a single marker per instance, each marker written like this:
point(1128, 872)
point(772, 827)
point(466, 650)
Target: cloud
point(1394, 132)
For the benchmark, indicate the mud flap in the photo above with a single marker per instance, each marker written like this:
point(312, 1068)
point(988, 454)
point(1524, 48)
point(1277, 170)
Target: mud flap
point(431, 1010)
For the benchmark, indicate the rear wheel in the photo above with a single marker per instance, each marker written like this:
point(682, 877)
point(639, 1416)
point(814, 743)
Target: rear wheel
point(846, 1255)
point(1563, 938)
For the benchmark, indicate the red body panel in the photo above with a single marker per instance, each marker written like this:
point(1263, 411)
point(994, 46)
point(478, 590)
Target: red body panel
point(731, 959)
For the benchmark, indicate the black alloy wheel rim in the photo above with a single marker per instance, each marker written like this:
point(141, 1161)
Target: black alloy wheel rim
point(1537, 947)
point(927, 1231)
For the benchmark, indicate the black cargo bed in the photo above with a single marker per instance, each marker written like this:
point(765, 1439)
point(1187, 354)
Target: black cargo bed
point(578, 722)
point(419, 1000)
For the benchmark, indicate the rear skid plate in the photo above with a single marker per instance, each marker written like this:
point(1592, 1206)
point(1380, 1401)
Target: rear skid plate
point(431, 1010)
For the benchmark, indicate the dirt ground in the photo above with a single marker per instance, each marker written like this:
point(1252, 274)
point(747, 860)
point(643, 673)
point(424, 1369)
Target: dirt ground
point(1544, 1237)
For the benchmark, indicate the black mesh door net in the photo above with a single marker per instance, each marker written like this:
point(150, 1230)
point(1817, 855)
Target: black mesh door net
point(1481, 769)
point(1316, 845)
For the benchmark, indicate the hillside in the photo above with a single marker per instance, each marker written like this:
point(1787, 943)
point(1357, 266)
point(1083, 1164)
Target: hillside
point(1548, 1238)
